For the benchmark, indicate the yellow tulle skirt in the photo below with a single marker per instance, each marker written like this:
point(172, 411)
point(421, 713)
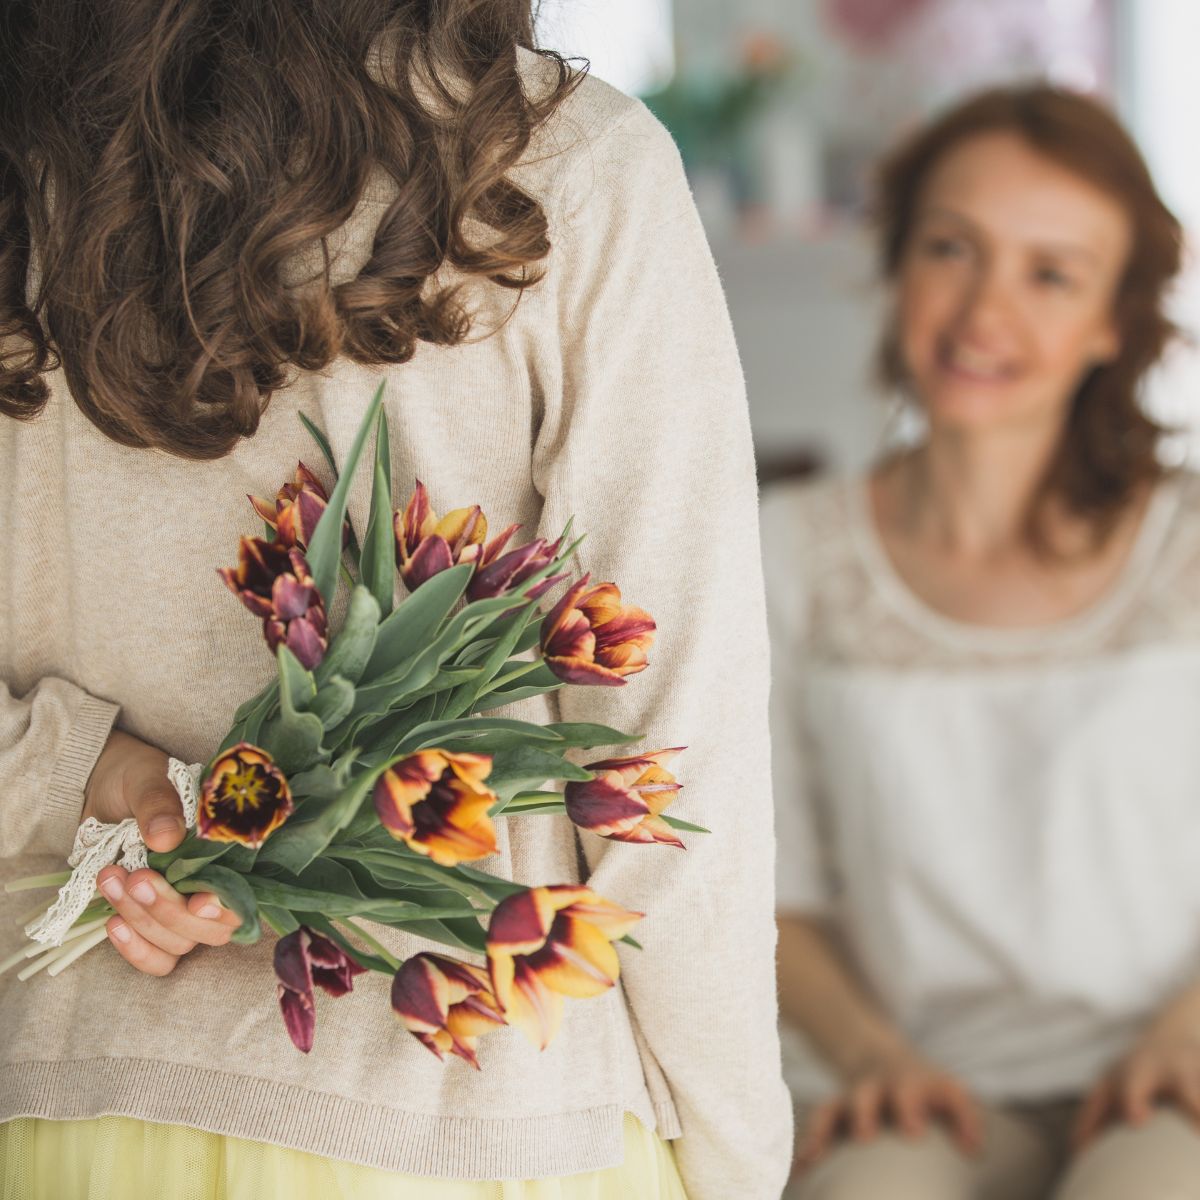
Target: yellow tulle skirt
point(119, 1158)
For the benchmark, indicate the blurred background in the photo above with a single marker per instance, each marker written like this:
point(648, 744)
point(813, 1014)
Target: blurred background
point(781, 108)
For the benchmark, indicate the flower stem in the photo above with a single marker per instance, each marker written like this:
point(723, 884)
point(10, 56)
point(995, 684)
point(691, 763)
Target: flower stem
point(37, 881)
point(522, 670)
point(78, 950)
point(382, 951)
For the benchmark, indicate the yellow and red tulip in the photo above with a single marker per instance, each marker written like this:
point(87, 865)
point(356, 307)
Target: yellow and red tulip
point(298, 507)
point(426, 544)
point(437, 803)
point(273, 581)
point(590, 637)
point(304, 960)
point(625, 798)
point(244, 799)
point(550, 942)
point(445, 1004)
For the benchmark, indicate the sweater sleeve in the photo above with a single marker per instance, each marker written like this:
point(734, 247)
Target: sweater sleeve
point(50, 739)
point(803, 883)
point(649, 449)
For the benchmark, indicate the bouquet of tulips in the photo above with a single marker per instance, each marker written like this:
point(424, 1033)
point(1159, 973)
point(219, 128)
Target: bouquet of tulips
point(369, 773)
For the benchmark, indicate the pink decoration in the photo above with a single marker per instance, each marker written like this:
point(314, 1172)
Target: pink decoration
point(871, 25)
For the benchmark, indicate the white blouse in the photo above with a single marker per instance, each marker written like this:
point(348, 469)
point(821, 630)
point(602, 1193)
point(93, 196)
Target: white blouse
point(1002, 824)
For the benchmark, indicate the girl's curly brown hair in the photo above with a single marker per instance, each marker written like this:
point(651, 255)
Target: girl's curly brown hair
point(166, 158)
point(1109, 447)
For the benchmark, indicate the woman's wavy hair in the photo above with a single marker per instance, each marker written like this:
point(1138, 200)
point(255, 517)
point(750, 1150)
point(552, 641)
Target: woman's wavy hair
point(1109, 447)
point(166, 158)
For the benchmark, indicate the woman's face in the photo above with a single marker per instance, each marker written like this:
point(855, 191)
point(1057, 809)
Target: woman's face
point(1006, 285)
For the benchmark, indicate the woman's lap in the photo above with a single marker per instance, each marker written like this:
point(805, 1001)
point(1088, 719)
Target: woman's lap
point(1025, 1155)
point(112, 1158)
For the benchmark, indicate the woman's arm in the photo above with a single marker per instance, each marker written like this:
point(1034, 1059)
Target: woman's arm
point(646, 441)
point(819, 996)
point(50, 739)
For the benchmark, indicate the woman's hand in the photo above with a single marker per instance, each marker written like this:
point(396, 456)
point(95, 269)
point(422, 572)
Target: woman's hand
point(154, 925)
point(902, 1089)
point(1164, 1065)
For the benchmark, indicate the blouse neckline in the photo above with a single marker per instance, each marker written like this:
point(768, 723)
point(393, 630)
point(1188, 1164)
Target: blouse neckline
point(1088, 621)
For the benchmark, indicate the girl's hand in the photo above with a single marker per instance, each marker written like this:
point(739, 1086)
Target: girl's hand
point(1164, 1065)
point(901, 1089)
point(154, 925)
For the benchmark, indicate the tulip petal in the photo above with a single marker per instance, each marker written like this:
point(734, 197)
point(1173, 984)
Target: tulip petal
point(305, 643)
point(533, 1008)
point(577, 670)
point(299, 1016)
point(431, 557)
point(603, 805)
point(578, 960)
point(652, 829)
point(292, 962)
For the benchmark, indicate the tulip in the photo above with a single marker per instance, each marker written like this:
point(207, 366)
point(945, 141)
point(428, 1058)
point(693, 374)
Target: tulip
point(445, 1004)
point(297, 508)
point(496, 573)
point(589, 636)
point(244, 799)
point(550, 942)
point(625, 798)
point(304, 959)
point(426, 545)
point(273, 581)
point(437, 803)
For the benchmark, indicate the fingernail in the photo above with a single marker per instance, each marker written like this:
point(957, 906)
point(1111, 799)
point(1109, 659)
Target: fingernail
point(121, 932)
point(163, 825)
point(210, 911)
point(143, 892)
point(112, 888)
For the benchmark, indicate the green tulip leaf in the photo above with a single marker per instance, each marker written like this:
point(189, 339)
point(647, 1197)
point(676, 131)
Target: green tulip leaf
point(333, 701)
point(325, 547)
point(676, 823)
point(297, 687)
point(378, 564)
point(587, 736)
point(407, 631)
point(351, 648)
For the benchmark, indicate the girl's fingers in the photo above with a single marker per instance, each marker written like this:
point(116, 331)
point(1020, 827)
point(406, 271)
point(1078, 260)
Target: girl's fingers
point(819, 1132)
point(865, 1103)
point(1187, 1088)
point(163, 916)
point(1137, 1093)
point(136, 898)
point(137, 951)
point(962, 1115)
point(909, 1105)
point(1092, 1115)
point(208, 907)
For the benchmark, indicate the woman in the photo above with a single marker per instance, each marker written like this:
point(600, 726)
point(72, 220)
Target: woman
point(206, 207)
point(987, 658)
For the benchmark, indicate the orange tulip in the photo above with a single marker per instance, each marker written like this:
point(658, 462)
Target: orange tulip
point(445, 1004)
point(589, 636)
point(437, 803)
point(550, 942)
point(625, 799)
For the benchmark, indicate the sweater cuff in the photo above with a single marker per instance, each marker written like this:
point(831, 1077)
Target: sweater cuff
point(81, 747)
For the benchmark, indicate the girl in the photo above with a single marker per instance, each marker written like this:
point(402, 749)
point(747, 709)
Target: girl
point(209, 206)
point(987, 693)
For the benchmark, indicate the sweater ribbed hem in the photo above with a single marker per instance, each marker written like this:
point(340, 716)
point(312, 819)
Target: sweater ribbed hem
point(86, 738)
point(438, 1146)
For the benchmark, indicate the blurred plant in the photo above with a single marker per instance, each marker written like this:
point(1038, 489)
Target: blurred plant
point(709, 113)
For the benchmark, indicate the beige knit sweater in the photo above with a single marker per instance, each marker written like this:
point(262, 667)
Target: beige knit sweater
point(614, 394)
